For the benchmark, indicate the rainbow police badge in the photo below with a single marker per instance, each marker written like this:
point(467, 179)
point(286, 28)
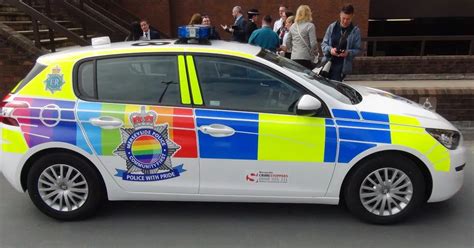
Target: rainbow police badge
point(55, 80)
point(147, 150)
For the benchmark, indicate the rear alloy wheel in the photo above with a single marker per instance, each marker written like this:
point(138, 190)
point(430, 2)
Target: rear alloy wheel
point(65, 187)
point(385, 190)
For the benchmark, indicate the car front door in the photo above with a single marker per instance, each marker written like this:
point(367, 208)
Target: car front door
point(251, 142)
point(135, 111)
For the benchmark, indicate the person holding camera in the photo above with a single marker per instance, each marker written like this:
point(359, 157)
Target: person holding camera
point(341, 44)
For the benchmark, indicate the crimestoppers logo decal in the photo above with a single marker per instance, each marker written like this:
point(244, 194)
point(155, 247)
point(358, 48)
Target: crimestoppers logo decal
point(55, 80)
point(147, 150)
point(266, 177)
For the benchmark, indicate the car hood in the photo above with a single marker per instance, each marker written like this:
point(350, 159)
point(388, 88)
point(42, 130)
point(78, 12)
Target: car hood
point(379, 101)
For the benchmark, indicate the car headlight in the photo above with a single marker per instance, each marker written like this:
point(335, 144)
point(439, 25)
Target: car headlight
point(448, 138)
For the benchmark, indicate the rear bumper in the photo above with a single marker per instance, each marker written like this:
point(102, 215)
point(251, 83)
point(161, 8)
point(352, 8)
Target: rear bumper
point(11, 169)
point(10, 163)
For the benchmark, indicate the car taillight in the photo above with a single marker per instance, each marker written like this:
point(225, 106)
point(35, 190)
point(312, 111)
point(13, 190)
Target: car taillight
point(6, 111)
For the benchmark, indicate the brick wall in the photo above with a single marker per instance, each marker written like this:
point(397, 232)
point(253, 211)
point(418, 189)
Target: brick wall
point(414, 65)
point(14, 65)
point(167, 15)
point(452, 104)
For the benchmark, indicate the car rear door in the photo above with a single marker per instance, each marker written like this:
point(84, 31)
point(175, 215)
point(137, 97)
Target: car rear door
point(135, 111)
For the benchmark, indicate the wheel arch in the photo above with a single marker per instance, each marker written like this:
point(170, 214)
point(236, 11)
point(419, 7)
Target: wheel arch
point(421, 165)
point(48, 151)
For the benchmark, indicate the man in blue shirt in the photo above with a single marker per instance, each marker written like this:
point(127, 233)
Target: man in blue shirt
point(265, 37)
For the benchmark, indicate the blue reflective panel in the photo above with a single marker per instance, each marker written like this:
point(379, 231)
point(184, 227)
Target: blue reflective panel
point(374, 116)
point(242, 145)
point(346, 114)
point(349, 150)
point(367, 135)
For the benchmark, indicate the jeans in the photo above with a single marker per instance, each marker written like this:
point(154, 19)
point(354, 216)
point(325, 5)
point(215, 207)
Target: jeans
point(336, 72)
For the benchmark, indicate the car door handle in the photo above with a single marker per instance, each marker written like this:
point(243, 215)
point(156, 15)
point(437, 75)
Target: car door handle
point(217, 130)
point(106, 122)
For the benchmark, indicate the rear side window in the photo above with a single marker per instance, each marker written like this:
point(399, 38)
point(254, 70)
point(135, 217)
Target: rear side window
point(37, 69)
point(138, 79)
point(86, 79)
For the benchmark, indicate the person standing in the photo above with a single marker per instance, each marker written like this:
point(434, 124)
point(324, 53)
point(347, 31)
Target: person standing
point(252, 23)
point(265, 37)
point(238, 28)
point(341, 44)
point(284, 51)
point(280, 22)
point(284, 30)
point(148, 34)
point(195, 19)
point(302, 38)
point(206, 20)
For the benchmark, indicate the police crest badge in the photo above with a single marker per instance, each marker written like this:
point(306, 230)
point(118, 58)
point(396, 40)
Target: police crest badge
point(147, 150)
point(55, 80)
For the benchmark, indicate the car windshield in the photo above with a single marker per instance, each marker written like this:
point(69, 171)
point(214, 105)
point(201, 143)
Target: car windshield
point(338, 90)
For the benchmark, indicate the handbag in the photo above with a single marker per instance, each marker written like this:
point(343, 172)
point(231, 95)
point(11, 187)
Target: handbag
point(315, 56)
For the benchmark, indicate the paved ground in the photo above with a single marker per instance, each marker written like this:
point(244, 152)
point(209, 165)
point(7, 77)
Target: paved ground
point(176, 224)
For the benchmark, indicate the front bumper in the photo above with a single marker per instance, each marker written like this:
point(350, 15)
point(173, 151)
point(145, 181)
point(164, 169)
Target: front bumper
point(447, 184)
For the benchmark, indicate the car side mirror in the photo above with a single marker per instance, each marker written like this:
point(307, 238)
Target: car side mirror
point(308, 106)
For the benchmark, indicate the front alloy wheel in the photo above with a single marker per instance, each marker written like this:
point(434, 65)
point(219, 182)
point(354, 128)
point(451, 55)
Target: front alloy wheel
point(385, 189)
point(386, 192)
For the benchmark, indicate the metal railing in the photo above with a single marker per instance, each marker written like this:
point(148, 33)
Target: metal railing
point(36, 16)
point(422, 39)
point(113, 10)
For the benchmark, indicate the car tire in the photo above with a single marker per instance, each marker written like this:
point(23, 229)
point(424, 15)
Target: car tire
point(393, 182)
point(65, 186)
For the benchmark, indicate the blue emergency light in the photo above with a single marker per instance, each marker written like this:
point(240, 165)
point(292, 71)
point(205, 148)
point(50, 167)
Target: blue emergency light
point(194, 34)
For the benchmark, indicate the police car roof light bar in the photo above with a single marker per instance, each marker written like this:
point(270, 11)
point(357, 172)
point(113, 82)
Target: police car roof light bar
point(194, 34)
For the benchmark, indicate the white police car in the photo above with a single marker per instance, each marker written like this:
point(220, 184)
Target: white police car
point(217, 121)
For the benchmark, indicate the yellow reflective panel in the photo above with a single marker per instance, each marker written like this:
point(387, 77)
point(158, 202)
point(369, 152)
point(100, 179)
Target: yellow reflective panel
point(196, 91)
point(13, 141)
point(55, 81)
point(406, 131)
point(219, 51)
point(440, 157)
point(183, 81)
point(291, 138)
point(17, 85)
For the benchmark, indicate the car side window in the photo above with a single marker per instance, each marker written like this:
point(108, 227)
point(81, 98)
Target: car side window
point(138, 79)
point(234, 84)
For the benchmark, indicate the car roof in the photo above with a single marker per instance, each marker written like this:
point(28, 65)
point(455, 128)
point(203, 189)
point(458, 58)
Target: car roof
point(217, 46)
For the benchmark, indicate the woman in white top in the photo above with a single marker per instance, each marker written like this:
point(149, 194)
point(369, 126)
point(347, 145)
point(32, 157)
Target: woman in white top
point(302, 38)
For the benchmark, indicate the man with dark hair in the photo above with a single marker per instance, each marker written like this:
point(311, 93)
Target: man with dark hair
point(265, 37)
point(206, 20)
point(341, 44)
point(283, 30)
point(280, 22)
point(148, 34)
point(252, 23)
point(238, 28)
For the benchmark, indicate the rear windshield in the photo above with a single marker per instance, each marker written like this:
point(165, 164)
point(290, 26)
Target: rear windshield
point(37, 69)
